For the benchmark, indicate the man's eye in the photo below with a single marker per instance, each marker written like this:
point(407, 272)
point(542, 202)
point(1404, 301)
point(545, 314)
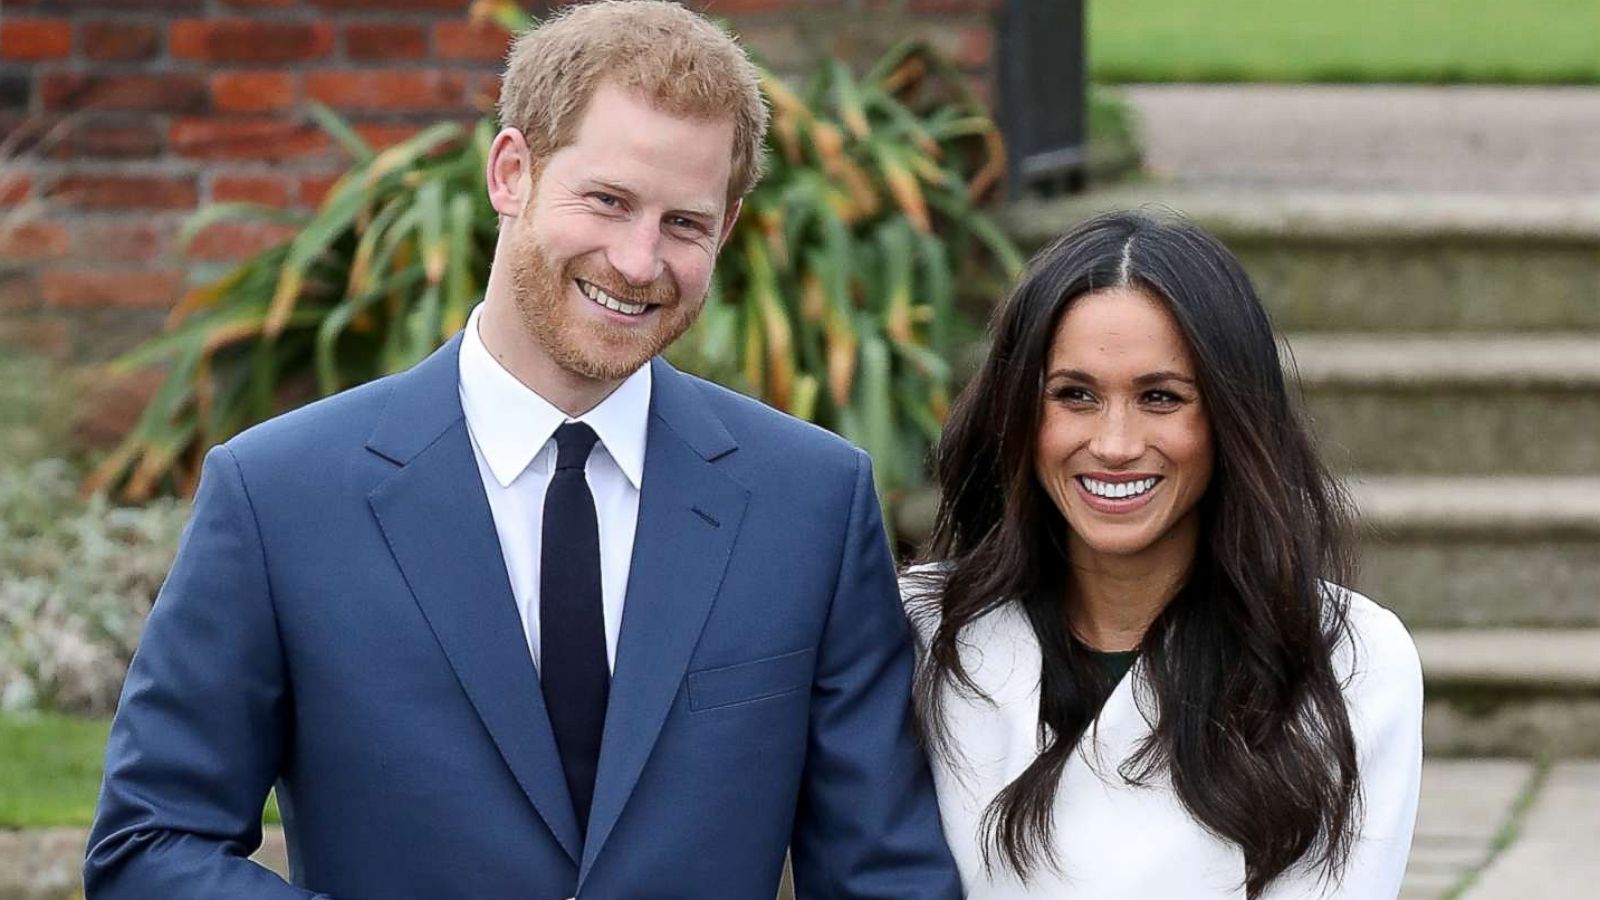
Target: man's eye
point(605, 199)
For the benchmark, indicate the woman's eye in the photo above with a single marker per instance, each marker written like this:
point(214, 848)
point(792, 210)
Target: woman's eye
point(1162, 398)
point(1072, 395)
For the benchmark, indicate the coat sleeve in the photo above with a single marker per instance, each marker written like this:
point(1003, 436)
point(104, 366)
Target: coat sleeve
point(867, 825)
point(198, 735)
point(1383, 693)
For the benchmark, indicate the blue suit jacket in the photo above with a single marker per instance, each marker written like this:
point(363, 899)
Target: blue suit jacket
point(338, 622)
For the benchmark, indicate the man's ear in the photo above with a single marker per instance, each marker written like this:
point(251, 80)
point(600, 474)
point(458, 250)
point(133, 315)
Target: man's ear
point(509, 173)
point(728, 219)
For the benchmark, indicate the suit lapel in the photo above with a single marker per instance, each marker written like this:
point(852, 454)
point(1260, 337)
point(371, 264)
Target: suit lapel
point(689, 517)
point(437, 522)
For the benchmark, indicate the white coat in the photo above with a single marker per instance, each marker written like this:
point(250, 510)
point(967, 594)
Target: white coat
point(1114, 841)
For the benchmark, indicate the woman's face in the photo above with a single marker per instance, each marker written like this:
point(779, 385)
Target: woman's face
point(1124, 446)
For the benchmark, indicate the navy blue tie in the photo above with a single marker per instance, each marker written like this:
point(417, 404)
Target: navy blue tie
point(572, 632)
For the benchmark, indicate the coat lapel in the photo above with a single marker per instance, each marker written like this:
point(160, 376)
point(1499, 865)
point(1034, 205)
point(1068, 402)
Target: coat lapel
point(689, 517)
point(437, 522)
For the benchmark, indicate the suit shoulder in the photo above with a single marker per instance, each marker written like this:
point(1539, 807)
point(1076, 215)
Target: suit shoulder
point(331, 424)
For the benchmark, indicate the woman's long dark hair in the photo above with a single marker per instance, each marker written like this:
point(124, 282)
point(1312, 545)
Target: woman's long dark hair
point(1248, 719)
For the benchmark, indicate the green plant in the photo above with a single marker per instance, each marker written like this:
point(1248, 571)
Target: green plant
point(833, 299)
point(77, 578)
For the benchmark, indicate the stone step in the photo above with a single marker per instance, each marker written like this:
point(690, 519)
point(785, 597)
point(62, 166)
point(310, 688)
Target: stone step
point(1530, 693)
point(1521, 692)
point(1482, 552)
point(1454, 405)
point(1384, 261)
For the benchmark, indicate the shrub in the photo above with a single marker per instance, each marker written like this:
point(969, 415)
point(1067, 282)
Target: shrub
point(77, 578)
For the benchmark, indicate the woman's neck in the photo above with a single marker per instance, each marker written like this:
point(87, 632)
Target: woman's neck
point(1113, 599)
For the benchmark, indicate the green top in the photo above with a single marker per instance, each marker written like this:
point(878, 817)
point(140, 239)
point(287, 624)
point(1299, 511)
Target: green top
point(1115, 663)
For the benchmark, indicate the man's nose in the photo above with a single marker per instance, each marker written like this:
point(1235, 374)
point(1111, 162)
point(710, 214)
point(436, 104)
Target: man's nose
point(1118, 440)
point(636, 254)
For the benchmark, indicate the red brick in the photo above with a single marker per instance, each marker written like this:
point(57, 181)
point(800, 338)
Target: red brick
point(45, 337)
point(389, 91)
point(956, 6)
point(92, 139)
point(141, 91)
point(974, 46)
point(33, 40)
point(314, 188)
point(19, 292)
point(470, 41)
point(385, 41)
point(259, 4)
point(134, 288)
point(143, 6)
point(248, 40)
point(123, 239)
point(378, 135)
point(391, 6)
point(231, 241)
point(734, 7)
point(110, 402)
point(271, 140)
point(30, 241)
point(125, 192)
point(266, 189)
point(15, 189)
point(252, 92)
point(119, 41)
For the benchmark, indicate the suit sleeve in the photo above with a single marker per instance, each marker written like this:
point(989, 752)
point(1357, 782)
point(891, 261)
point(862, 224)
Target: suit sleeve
point(1384, 696)
point(868, 823)
point(197, 739)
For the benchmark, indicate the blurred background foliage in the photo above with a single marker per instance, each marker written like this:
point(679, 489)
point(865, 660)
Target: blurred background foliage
point(835, 298)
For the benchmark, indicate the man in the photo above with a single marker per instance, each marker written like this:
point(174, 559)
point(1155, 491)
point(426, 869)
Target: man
point(541, 617)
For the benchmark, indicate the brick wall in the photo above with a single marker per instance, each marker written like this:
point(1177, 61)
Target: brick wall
point(121, 117)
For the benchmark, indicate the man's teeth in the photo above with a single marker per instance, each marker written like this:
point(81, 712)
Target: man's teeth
point(1119, 490)
point(610, 302)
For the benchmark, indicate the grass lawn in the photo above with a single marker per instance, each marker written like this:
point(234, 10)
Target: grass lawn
point(1436, 41)
point(50, 771)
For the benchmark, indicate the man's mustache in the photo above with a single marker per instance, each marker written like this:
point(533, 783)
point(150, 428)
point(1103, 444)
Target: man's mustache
point(663, 291)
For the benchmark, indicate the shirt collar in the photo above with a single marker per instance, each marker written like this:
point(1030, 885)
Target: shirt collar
point(511, 423)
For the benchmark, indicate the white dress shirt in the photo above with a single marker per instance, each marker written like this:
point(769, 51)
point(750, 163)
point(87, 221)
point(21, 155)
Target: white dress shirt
point(1114, 841)
point(513, 430)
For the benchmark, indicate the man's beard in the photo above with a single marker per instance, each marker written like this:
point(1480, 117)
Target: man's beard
point(584, 345)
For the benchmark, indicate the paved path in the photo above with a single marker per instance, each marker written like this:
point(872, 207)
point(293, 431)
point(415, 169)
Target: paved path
point(1508, 140)
point(1467, 808)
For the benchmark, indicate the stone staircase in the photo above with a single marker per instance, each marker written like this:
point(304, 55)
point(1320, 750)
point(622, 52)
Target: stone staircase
point(1448, 346)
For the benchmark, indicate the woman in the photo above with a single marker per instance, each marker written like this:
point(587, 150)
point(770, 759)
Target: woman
point(1127, 489)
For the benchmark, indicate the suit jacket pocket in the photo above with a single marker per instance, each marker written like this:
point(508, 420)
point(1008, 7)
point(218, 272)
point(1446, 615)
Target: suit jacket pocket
point(749, 681)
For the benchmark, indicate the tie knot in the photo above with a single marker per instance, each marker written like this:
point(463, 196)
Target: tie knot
point(574, 440)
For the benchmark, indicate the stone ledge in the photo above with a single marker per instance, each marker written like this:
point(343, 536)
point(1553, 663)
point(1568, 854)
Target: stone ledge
point(1421, 363)
point(1562, 660)
point(1491, 504)
point(1324, 215)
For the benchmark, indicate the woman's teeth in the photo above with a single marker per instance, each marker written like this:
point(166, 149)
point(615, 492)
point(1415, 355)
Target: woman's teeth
point(610, 302)
point(1117, 490)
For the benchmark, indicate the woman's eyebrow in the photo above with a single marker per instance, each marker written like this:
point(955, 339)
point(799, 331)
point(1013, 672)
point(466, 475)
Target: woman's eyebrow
point(1163, 375)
